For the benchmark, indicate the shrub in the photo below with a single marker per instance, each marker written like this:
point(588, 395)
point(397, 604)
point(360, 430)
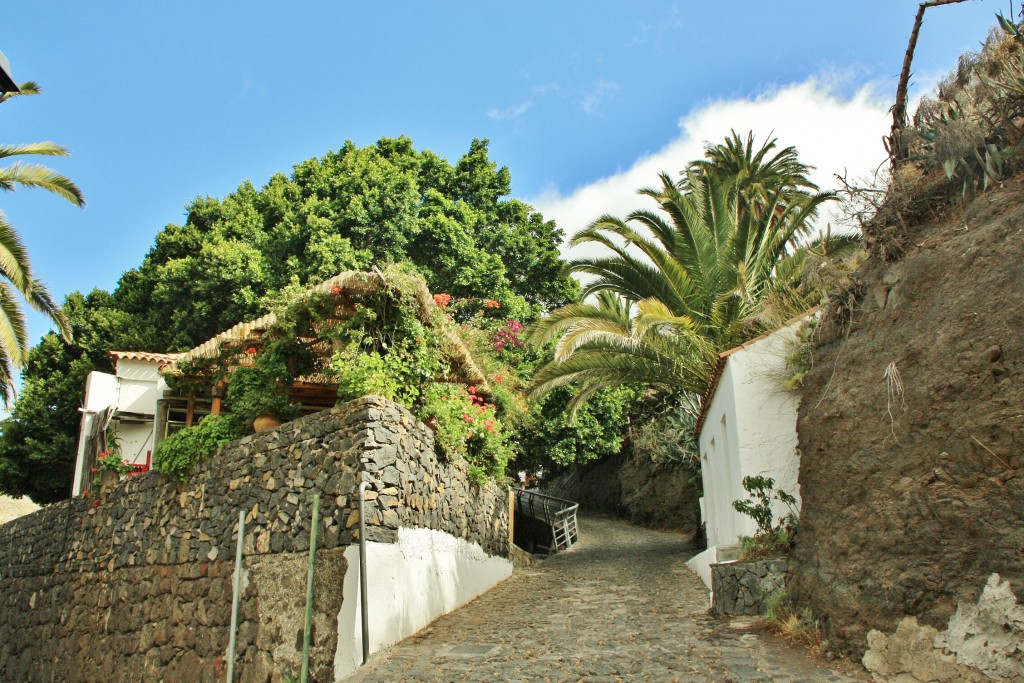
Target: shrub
point(177, 454)
point(796, 625)
point(770, 538)
point(465, 425)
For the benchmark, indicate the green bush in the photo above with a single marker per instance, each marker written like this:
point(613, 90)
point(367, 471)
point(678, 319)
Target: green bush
point(466, 426)
point(397, 371)
point(771, 538)
point(176, 455)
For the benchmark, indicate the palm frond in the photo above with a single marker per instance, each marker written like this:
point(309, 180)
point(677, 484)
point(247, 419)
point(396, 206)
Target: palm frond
point(50, 149)
point(34, 175)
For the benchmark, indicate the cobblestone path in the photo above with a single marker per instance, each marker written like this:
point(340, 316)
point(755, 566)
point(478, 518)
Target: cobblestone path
point(620, 606)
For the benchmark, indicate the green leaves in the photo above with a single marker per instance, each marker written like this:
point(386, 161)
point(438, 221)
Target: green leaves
point(14, 263)
point(677, 286)
point(177, 455)
point(350, 209)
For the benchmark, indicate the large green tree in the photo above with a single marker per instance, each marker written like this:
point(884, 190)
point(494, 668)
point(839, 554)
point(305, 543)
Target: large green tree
point(18, 280)
point(350, 209)
point(676, 286)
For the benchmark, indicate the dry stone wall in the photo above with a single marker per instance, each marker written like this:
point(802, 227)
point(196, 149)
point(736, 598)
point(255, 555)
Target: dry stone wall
point(136, 584)
point(743, 587)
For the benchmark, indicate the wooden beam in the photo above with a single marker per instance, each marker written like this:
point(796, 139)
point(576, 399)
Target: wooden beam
point(217, 400)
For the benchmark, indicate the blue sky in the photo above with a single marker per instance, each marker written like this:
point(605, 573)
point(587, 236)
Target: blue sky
point(583, 101)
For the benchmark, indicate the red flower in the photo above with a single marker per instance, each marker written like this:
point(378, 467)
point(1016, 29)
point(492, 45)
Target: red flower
point(335, 289)
point(251, 350)
point(491, 303)
point(442, 300)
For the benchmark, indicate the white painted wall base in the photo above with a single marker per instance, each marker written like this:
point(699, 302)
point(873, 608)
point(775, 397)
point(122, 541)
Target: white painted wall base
point(425, 574)
point(701, 565)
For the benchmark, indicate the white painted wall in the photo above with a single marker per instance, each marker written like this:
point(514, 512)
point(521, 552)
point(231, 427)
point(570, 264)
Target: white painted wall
point(423, 575)
point(135, 388)
point(139, 385)
point(749, 429)
point(100, 392)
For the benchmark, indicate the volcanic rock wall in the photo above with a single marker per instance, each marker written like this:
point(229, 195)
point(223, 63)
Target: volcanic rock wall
point(136, 584)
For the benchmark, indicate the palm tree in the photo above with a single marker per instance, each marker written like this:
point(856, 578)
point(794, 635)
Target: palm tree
point(15, 268)
point(610, 342)
point(681, 284)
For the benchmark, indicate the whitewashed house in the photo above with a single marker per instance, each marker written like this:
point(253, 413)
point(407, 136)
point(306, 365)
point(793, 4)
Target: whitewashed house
point(121, 412)
point(747, 427)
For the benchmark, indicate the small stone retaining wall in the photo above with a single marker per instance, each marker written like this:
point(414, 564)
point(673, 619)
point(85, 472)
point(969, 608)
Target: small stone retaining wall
point(742, 587)
point(136, 585)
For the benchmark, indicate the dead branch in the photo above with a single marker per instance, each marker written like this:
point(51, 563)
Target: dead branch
point(897, 150)
point(991, 452)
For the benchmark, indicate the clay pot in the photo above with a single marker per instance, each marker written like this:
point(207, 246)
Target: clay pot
point(266, 421)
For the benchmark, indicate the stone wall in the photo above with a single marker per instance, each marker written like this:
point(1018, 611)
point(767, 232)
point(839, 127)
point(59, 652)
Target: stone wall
point(743, 587)
point(136, 584)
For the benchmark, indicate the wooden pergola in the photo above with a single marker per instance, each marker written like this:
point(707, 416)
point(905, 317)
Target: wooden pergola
point(315, 391)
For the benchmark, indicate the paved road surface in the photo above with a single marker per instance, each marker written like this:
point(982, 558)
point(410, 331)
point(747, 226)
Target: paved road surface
point(619, 606)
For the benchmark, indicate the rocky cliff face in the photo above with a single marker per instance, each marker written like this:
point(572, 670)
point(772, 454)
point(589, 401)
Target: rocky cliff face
point(912, 430)
point(660, 495)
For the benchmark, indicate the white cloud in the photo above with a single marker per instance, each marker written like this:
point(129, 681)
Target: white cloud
point(515, 111)
point(831, 132)
point(602, 92)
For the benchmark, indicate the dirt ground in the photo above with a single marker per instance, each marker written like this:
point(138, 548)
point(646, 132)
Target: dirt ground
point(12, 508)
point(912, 429)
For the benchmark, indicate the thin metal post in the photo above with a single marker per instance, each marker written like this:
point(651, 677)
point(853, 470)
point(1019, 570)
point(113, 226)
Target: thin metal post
point(234, 597)
point(308, 628)
point(363, 592)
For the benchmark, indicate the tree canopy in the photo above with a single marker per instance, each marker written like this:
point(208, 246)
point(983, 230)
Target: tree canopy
point(350, 209)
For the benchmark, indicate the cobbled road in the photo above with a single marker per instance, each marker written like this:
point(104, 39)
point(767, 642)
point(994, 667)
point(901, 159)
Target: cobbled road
point(621, 605)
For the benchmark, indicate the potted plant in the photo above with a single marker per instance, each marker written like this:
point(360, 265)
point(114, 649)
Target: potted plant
point(258, 394)
point(110, 467)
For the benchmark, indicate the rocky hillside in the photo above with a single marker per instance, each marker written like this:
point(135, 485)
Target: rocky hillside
point(912, 429)
point(662, 495)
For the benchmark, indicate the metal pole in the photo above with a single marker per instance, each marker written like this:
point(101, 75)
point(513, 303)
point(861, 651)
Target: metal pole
point(234, 597)
point(308, 629)
point(363, 597)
